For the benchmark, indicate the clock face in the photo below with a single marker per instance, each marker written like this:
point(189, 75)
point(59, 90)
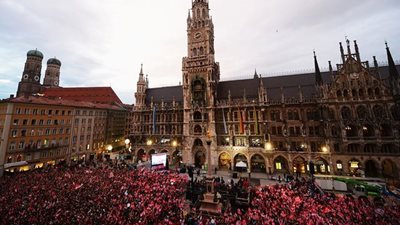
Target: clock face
point(55, 82)
point(36, 78)
point(25, 76)
point(197, 35)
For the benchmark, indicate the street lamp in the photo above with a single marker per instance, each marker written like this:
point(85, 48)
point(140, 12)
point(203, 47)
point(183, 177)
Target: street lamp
point(268, 146)
point(324, 149)
point(109, 148)
point(127, 141)
point(149, 142)
point(174, 143)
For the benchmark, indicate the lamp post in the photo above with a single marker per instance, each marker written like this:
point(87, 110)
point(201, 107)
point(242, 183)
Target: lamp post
point(209, 172)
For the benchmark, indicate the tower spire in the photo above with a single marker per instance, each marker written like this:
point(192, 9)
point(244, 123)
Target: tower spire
point(357, 51)
point(342, 52)
point(348, 47)
point(255, 74)
point(318, 76)
point(393, 73)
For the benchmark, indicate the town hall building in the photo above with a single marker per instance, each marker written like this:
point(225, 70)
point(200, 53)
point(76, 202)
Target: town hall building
point(345, 121)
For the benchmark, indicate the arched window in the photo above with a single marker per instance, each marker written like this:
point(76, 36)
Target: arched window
point(345, 93)
point(379, 112)
point(354, 93)
point(386, 130)
point(351, 131)
point(346, 113)
point(362, 112)
point(370, 93)
point(197, 116)
point(361, 93)
point(197, 129)
point(395, 110)
point(368, 131)
point(201, 51)
point(339, 94)
point(377, 92)
point(198, 142)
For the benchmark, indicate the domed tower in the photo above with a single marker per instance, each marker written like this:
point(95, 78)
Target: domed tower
point(52, 75)
point(30, 81)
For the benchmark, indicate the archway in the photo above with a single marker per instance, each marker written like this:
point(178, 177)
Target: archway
point(224, 161)
point(281, 164)
point(240, 158)
point(321, 166)
point(199, 158)
point(299, 165)
point(257, 164)
point(176, 158)
point(389, 169)
point(371, 168)
point(141, 155)
point(151, 152)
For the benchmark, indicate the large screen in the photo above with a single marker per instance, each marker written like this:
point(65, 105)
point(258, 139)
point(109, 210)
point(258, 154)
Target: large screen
point(159, 160)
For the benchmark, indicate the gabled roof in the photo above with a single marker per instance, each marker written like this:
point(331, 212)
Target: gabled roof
point(104, 95)
point(165, 93)
point(275, 86)
point(41, 100)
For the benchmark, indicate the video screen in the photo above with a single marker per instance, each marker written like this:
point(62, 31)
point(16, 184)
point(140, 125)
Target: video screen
point(159, 160)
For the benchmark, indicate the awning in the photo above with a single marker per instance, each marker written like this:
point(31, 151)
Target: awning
point(241, 164)
point(15, 164)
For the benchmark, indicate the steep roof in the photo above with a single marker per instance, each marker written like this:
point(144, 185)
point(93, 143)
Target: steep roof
point(165, 93)
point(275, 86)
point(104, 95)
point(59, 102)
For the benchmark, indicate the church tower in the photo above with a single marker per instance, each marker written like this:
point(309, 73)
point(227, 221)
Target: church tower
point(52, 75)
point(30, 81)
point(141, 87)
point(200, 80)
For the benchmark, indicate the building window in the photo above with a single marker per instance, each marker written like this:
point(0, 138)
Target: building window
point(14, 133)
point(12, 146)
point(15, 122)
point(278, 165)
point(25, 122)
point(21, 145)
point(48, 122)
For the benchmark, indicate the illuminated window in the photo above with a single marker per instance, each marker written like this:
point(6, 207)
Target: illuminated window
point(278, 165)
point(354, 164)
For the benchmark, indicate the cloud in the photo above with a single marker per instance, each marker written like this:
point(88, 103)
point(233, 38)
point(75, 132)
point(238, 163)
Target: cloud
point(102, 43)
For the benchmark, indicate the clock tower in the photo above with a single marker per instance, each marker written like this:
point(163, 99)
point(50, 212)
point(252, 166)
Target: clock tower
point(200, 80)
point(30, 81)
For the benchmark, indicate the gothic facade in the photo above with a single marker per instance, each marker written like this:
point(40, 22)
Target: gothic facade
point(346, 120)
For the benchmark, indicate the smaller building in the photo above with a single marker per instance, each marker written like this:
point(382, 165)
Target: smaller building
point(37, 130)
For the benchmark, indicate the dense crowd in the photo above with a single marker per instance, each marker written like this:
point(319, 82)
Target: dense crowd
point(300, 202)
point(87, 195)
point(105, 195)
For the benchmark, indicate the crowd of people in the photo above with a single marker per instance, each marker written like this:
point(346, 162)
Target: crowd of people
point(112, 195)
point(301, 202)
point(89, 195)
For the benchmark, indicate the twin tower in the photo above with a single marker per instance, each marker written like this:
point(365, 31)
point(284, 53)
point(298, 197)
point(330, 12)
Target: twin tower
point(30, 81)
